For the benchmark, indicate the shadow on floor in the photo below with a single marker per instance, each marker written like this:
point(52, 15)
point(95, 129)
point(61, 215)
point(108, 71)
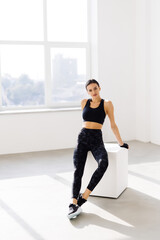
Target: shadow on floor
point(135, 208)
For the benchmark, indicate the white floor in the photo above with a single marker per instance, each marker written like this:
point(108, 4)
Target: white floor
point(35, 190)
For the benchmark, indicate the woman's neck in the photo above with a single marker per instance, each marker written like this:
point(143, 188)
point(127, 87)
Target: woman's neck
point(96, 100)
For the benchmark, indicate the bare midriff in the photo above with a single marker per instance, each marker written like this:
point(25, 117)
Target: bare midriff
point(92, 125)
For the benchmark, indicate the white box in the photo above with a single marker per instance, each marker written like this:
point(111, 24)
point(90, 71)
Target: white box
point(115, 179)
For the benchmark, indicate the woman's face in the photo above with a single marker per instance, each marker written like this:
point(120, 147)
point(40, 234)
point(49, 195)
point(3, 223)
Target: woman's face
point(93, 90)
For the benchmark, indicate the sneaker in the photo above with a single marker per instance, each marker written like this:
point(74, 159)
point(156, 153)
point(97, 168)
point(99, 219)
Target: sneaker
point(81, 200)
point(74, 210)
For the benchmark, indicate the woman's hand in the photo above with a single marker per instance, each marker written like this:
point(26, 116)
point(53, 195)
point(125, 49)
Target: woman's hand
point(125, 145)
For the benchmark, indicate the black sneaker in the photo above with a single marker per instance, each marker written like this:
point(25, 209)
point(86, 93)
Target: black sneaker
point(81, 200)
point(74, 210)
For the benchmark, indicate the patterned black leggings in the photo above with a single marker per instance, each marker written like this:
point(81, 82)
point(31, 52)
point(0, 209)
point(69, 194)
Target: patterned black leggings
point(88, 140)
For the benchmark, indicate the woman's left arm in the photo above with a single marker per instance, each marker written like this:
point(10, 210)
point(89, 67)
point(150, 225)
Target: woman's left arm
point(109, 109)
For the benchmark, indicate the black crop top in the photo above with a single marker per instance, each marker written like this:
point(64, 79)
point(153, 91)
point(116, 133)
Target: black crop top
point(94, 114)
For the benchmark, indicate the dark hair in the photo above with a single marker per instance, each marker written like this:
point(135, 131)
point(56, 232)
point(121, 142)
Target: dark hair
point(91, 81)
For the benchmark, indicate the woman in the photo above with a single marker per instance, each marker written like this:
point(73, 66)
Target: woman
point(90, 139)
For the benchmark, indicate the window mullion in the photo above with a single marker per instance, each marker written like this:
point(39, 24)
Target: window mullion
point(88, 65)
point(48, 87)
point(47, 64)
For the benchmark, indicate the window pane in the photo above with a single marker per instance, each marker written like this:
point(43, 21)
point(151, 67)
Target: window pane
point(68, 74)
point(21, 19)
point(67, 20)
point(22, 69)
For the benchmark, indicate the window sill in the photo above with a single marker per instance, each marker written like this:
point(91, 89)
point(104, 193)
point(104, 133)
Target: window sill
point(44, 110)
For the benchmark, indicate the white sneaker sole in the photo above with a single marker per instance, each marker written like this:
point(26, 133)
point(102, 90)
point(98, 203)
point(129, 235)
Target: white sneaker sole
point(73, 215)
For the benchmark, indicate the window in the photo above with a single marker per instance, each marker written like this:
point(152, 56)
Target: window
point(44, 53)
point(22, 75)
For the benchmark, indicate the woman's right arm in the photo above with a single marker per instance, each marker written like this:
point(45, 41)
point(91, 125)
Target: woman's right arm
point(83, 103)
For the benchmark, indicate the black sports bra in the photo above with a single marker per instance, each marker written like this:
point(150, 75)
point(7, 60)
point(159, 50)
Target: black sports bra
point(94, 114)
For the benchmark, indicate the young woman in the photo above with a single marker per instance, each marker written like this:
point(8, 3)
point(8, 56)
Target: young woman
point(90, 138)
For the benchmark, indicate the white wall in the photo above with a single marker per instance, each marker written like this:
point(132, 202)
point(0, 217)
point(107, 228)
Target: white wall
point(142, 70)
point(147, 52)
point(29, 132)
point(116, 71)
point(155, 71)
point(129, 66)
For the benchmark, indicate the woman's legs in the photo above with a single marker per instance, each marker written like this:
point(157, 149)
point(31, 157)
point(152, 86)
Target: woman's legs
point(101, 156)
point(79, 160)
point(88, 140)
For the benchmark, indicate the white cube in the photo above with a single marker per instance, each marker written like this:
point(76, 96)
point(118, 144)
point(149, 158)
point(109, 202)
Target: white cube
point(115, 179)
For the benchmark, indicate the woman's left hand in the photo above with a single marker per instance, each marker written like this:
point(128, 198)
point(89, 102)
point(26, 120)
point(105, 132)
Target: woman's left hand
point(125, 145)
